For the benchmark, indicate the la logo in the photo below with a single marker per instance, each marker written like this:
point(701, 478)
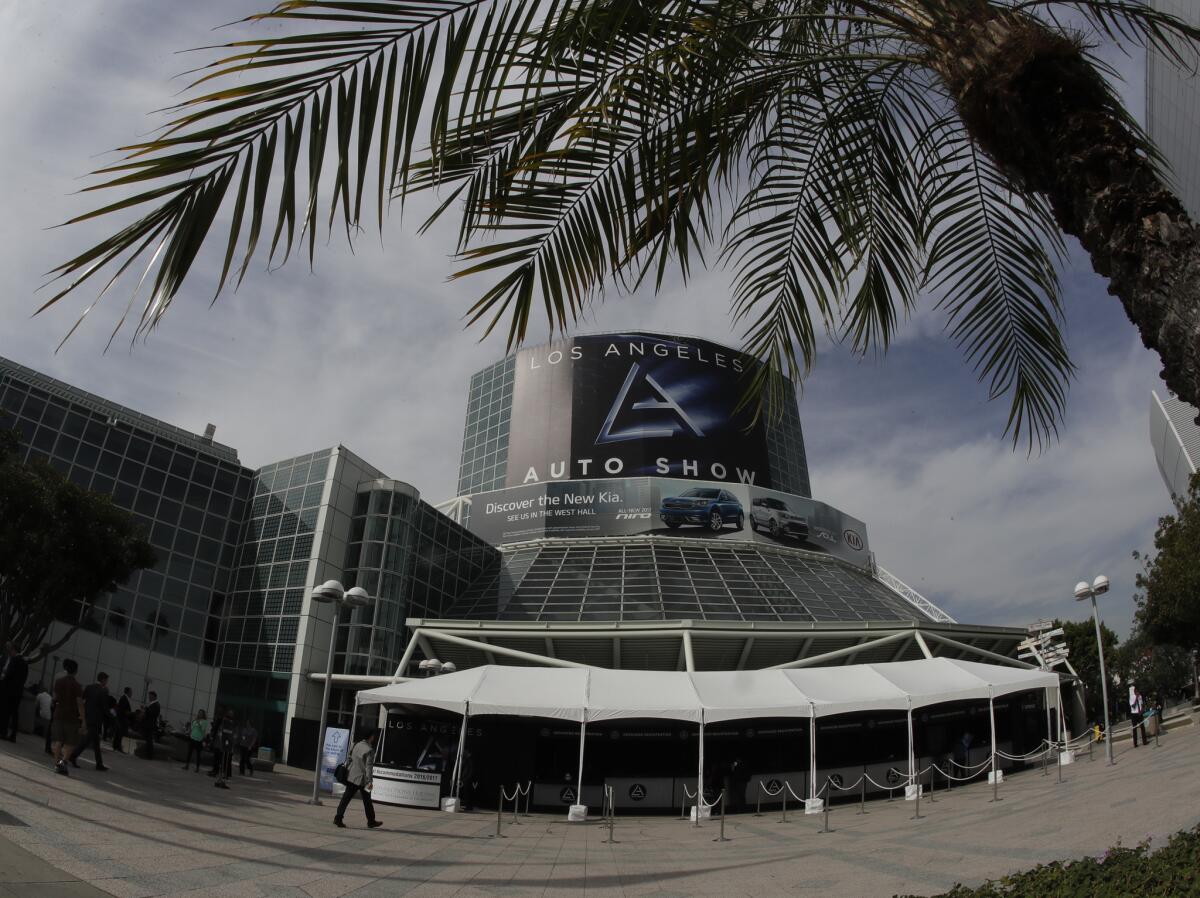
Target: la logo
point(641, 393)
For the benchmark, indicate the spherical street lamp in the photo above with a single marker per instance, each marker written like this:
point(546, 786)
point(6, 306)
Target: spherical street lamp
point(1083, 592)
point(331, 592)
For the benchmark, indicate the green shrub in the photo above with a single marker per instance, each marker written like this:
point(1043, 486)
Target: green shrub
point(1170, 871)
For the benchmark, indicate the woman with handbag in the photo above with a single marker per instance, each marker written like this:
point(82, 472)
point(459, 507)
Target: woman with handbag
point(358, 779)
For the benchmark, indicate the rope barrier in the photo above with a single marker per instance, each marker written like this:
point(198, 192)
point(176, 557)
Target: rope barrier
point(513, 797)
point(1037, 752)
point(957, 779)
point(524, 791)
point(714, 802)
point(855, 785)
point(762, 786)
point(880, 785)
point(687, 793)
point(983, 763)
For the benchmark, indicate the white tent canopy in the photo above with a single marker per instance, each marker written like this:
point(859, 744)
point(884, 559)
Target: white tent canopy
point(595, 694)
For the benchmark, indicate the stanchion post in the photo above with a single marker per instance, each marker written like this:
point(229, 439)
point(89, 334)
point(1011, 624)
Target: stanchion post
point(862, 796)
point(1060, 768)
point(917, 813)
point(758, 804)
point(783, 795)
point(721, 838)
point(1157, 727)
point(1045, 772)
point(995, 785)
point(517, 802)
point(826, 809)
point(499, 813)
point(528, 797)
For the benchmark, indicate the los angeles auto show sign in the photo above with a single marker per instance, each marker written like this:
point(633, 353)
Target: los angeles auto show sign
point(629, 405)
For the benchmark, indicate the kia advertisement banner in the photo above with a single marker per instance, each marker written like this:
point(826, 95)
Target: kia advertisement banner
point(668, 507)
point(634, 405)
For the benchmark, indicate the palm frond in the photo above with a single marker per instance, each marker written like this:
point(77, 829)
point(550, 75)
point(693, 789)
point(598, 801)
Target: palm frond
point(990, 257)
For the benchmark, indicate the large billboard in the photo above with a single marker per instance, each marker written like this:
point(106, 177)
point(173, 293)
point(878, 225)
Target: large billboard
point(667, 507)
point(634, 405)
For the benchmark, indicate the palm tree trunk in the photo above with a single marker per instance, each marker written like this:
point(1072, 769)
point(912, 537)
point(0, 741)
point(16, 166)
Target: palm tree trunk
point(1045, 115)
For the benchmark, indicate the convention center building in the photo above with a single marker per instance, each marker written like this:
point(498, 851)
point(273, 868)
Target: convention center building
point(634, 565)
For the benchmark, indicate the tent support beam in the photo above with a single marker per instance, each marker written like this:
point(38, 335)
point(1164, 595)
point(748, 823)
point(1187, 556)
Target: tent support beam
point(502, 650)
point(745, 655)
point(689, 659)
point(406, 659)
point(922, 644)
point(1004, 659)
point(840, 653)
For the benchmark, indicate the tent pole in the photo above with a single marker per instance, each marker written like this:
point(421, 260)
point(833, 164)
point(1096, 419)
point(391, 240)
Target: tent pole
point(579, 781)
point(700, 771)
point(992, 723)
point(1063, 732)
point(911, 750)
point(812, 752)
point(1049, 732)
point(462, 739)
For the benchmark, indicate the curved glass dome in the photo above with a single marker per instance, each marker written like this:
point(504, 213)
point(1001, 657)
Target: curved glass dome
point(650, 578)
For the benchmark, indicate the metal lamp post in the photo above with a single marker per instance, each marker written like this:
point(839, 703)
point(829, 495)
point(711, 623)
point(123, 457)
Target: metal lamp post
point(331, 592)
point(1082, 591)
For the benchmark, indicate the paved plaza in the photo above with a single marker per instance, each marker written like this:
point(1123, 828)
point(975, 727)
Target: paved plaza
point(148, 828)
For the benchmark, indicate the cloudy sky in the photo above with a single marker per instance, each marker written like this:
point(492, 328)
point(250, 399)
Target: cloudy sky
point(369, 349)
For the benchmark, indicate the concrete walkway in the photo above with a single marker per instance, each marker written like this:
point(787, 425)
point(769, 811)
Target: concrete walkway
point(148, 828)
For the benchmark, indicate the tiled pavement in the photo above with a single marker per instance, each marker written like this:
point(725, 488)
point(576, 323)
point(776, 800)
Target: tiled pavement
point(148, 828)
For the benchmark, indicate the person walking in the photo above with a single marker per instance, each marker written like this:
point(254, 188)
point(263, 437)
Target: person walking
point(224, 739)
point(150, 714)
point(359, 779)
point(247, 740)
point(95, 709)
point(68, 716)
point(44, 704)
point(1137, 711)
point(124, 719)
point(197, 733)
point(12, 681)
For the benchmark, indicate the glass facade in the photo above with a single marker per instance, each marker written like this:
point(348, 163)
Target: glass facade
point(188, 494)
point(648, 578)
point(414, 560)
point(484, 462)
point(267, 594)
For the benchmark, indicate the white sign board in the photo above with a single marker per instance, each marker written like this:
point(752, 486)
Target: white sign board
point(413, 788)
point(333, 752)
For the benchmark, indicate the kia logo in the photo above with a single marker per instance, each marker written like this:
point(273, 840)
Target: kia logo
point(853, 540)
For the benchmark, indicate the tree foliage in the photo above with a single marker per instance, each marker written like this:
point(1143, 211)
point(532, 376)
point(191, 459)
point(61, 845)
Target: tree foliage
point(1080, 637)
point(819, 145)
point(60, 545)
point(1168, 585)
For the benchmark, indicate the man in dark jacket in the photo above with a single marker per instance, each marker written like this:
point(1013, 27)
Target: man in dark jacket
point(150, 723)
point(124, 718)
point(95, 711)
point(12, 682)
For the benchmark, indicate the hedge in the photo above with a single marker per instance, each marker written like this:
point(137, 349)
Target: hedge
point(1170, 871)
